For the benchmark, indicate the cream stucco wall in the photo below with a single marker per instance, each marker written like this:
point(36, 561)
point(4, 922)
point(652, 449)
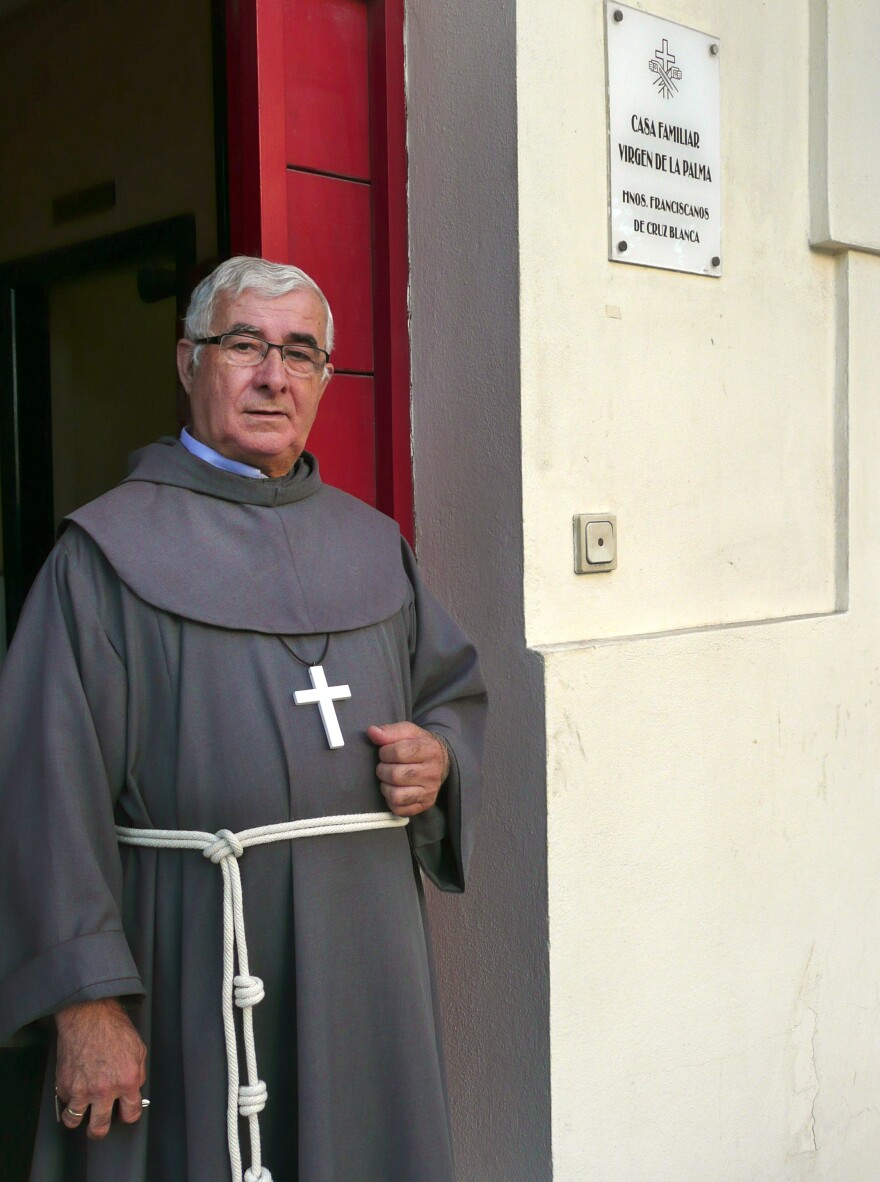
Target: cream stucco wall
point(702, 415)
point(712, 782)
point(691, 776)
point(713, 880)
point(845, 117)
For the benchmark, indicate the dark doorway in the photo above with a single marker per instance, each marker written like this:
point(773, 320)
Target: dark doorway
point(113, 189)
point(87, 345)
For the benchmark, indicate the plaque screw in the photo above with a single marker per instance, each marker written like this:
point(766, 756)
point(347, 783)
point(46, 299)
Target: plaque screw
point(621, 246)
point(618, 15)
point(713, 49)
point(716, 261)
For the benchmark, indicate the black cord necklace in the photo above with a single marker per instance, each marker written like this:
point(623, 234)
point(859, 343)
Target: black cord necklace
point(308, 664)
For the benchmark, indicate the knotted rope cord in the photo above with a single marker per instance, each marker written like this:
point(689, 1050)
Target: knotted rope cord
point(224, 848)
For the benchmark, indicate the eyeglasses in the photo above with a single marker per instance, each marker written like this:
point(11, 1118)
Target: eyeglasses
point(300, 361)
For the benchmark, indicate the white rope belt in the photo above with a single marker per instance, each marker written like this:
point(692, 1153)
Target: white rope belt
point(225, 848)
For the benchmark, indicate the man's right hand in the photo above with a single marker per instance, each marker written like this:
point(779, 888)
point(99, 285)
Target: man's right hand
point(101, 1059)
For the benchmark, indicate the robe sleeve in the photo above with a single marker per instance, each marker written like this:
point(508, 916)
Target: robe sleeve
point(449, 699)
point(62, 758)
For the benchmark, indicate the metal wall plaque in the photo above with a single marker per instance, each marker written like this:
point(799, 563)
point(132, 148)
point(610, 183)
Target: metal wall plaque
point(664, 143)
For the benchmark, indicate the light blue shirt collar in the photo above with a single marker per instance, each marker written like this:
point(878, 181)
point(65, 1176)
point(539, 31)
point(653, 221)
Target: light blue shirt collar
point(213, 457)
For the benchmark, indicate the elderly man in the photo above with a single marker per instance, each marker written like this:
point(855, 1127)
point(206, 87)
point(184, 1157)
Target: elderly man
point(233, 725)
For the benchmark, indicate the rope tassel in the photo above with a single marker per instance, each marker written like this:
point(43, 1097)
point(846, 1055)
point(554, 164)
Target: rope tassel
point(252, 1099)
point(241, 989)
point(249, 991)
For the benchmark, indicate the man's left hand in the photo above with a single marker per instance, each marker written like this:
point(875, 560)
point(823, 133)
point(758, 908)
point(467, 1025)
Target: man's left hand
point(413, 763)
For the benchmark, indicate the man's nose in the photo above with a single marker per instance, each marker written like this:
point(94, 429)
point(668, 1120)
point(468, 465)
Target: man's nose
point(271, 371)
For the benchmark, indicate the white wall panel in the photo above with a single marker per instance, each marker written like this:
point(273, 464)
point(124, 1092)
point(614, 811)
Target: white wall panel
point(845, 124)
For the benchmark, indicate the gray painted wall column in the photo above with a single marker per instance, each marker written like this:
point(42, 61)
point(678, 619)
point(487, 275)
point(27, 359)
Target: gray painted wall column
point(492, 944)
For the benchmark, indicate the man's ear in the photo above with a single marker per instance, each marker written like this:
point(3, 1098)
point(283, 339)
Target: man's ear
point(325, 382)
point(185, 363)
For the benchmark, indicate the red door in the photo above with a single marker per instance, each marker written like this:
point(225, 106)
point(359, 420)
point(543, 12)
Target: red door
point(317, 163)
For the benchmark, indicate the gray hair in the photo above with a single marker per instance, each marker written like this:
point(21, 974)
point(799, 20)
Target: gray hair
point(244, 273)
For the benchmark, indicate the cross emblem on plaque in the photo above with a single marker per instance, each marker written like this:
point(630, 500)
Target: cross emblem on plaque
point(663, 65)
point(323, 696)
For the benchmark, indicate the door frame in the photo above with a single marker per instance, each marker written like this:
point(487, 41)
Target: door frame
point(257, 217)
point(25, 381)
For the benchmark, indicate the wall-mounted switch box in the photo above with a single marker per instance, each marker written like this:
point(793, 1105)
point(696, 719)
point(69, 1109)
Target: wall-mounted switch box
point(595, 542)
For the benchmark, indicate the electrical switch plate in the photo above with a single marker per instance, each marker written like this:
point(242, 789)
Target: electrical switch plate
point(595, 542)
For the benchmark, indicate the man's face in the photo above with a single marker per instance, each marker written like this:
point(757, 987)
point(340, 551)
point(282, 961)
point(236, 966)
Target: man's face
point(259, 415)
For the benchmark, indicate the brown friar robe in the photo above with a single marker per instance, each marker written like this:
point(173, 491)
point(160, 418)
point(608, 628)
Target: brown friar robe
point(150, 684)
